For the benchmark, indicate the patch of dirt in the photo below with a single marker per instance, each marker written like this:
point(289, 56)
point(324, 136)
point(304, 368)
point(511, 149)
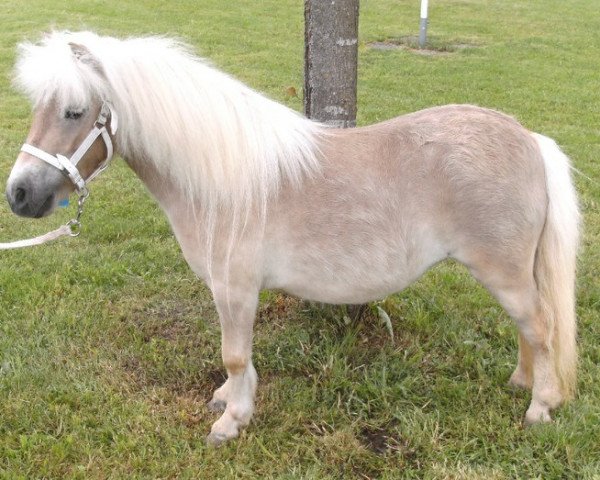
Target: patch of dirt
point(276, 308)
point(171, 348)
point(375, 439)
point(385, 440)
point(434, 46)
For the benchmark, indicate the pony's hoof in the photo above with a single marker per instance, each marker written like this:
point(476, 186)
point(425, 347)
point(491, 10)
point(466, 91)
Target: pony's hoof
point(537, 415)
point(216, 439)
point(217, 405)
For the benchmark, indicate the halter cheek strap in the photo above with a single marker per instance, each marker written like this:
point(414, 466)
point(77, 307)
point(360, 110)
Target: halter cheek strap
point(68, 166)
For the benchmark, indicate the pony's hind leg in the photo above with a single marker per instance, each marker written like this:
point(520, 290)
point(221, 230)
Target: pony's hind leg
point(516, 290)
point(522, 377)
point(237, 308)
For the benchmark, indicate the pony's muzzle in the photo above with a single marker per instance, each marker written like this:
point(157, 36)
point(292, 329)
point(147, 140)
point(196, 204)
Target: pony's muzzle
point(31, 192)
point(24, 201)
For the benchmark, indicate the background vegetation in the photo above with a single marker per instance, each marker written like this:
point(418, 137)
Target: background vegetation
point(109, 347)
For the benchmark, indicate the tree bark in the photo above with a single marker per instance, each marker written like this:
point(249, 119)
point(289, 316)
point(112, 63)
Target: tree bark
point(330, 61)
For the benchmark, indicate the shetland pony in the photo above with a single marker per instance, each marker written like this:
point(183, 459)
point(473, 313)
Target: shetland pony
point(261, 198)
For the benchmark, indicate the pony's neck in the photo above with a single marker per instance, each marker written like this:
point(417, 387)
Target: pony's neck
point(218, 140)
point(160, 186)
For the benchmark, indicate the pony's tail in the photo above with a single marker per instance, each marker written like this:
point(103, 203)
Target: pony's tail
point(555, 264)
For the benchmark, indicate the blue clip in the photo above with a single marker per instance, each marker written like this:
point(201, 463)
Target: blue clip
point(63, 203)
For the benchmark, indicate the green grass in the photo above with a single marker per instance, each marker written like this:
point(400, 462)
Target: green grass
point(109, 347)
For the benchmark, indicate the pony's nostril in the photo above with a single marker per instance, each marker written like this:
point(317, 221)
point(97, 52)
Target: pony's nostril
point(20, 194)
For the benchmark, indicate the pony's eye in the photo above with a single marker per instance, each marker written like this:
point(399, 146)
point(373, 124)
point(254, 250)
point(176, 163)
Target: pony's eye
point(73, 114)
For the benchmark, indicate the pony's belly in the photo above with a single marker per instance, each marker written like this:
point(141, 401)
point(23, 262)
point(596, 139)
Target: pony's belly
point(350, 283)
point(342, 293)
point(353, 262)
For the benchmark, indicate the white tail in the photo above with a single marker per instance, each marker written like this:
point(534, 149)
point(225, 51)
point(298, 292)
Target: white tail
point(556, 261)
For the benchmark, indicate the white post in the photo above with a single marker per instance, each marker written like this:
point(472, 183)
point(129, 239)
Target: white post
point(423, 24)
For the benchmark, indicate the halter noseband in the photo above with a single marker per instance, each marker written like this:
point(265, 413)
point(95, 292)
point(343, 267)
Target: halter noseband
point(68, 166)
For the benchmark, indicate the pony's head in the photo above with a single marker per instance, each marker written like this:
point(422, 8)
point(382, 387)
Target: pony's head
point(69, 139)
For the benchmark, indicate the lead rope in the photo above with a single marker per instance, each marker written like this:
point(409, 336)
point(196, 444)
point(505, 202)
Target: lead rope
point(70, 229)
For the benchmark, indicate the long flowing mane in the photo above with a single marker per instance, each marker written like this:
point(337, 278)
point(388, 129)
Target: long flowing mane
point(220, 141)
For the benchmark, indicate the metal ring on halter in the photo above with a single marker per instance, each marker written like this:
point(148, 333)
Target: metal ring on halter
point(75, 227)
point(75, 223)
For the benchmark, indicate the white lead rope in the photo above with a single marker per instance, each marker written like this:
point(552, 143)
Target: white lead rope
point(69, 167)
point(62, 231)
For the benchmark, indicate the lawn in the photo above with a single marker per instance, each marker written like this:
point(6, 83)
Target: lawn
point(109, 347)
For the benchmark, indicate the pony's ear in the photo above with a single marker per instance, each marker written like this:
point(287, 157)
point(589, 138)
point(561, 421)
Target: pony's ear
point(81, 53)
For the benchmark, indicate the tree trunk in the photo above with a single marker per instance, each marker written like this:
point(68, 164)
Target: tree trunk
point(330, 61)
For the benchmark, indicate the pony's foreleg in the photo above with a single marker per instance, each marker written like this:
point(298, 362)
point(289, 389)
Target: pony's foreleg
point(237, 309)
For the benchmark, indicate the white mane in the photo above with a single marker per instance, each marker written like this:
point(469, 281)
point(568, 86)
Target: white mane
point(220, 141)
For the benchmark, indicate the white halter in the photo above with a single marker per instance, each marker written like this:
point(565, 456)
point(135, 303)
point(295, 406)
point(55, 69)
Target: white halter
point(68, 166)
